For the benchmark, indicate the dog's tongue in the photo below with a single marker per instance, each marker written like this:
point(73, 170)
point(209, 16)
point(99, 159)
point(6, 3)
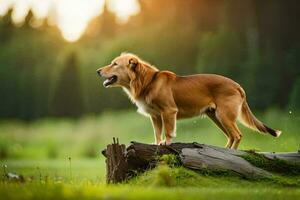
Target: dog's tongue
point(106, 82)
point(109, 81)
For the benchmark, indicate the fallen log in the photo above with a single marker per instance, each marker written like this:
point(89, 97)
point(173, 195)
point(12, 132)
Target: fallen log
point(122, 162)
point(209, 158)
point(289, 157)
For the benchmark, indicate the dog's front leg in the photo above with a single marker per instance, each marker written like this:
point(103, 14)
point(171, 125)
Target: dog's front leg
point(169, 122)
point(157, 127)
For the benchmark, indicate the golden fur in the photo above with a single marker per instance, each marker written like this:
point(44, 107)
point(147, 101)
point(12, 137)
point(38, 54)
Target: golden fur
point(166, 97)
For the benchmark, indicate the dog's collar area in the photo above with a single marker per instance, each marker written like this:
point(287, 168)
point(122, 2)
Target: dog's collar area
point(153, 77)
point(151, 81)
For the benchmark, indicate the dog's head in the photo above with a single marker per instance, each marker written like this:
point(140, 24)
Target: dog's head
point(122, 70)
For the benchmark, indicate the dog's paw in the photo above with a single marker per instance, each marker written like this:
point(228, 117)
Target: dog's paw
point(165, 142)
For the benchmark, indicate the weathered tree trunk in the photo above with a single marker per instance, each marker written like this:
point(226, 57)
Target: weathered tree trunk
point(210, 158)
point(289, 157)
point(116, 165)
point(121, 161)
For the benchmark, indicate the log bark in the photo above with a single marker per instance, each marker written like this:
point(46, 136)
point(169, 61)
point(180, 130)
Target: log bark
point(123, 162)
point(289, 157)
point(116, 165)
point(209, 158)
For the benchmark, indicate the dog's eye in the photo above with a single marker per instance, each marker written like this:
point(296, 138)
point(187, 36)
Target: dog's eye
point(114, 64)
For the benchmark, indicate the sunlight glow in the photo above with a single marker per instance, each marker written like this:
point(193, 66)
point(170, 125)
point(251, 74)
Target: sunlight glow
point(124, 9)
point(41, 8)
point(74, 15)
point(21, 9)
point(71, 16)
point(4, 6)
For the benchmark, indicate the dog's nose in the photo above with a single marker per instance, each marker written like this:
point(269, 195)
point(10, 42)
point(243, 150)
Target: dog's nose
point(99, 72)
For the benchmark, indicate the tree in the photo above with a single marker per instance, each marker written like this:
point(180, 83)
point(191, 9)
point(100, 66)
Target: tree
point(220, 53)
point(295, 96)
point(6, 27)
point(28, 19)
point(104, 24)
point(67, 100)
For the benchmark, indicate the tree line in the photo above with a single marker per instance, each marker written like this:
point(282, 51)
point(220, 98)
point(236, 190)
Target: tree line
point(254, 42)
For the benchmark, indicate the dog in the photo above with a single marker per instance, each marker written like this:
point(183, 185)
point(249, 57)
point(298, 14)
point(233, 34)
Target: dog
point(166, 97)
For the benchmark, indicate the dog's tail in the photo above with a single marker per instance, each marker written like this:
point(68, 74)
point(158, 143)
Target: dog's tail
point(249, 120)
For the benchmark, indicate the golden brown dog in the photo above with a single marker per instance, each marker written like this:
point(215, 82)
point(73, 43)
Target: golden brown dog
point(166, 97)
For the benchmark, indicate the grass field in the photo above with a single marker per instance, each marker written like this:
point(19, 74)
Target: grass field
point(60, 159)
point(54, 179)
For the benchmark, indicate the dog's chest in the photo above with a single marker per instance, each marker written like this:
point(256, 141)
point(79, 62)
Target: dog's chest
point(145, 108)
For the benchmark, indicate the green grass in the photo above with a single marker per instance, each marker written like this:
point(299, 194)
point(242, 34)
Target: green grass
point(163, 182)
point(86, 137)
point(40, 150)
point(59, 169)
point(87, 191)
point(165, 176)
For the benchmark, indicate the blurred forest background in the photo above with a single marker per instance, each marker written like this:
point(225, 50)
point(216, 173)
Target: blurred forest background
point(56, 117)
point(256, 43)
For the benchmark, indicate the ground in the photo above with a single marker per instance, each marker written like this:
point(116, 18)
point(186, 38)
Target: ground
point(60, 159)
point(85, 180)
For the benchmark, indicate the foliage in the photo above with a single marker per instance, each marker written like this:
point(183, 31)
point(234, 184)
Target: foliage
point(163, 177)
point(171, 160)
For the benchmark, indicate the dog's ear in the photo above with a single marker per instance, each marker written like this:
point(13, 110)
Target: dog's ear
point(133, 63)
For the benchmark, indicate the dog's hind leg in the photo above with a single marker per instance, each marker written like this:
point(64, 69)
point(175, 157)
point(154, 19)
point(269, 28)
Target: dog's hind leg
point(238, 137)
point(228, 116)
point(211, 113)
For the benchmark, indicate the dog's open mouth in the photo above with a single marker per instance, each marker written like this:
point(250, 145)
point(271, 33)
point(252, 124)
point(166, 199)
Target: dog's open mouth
point(109, 81)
